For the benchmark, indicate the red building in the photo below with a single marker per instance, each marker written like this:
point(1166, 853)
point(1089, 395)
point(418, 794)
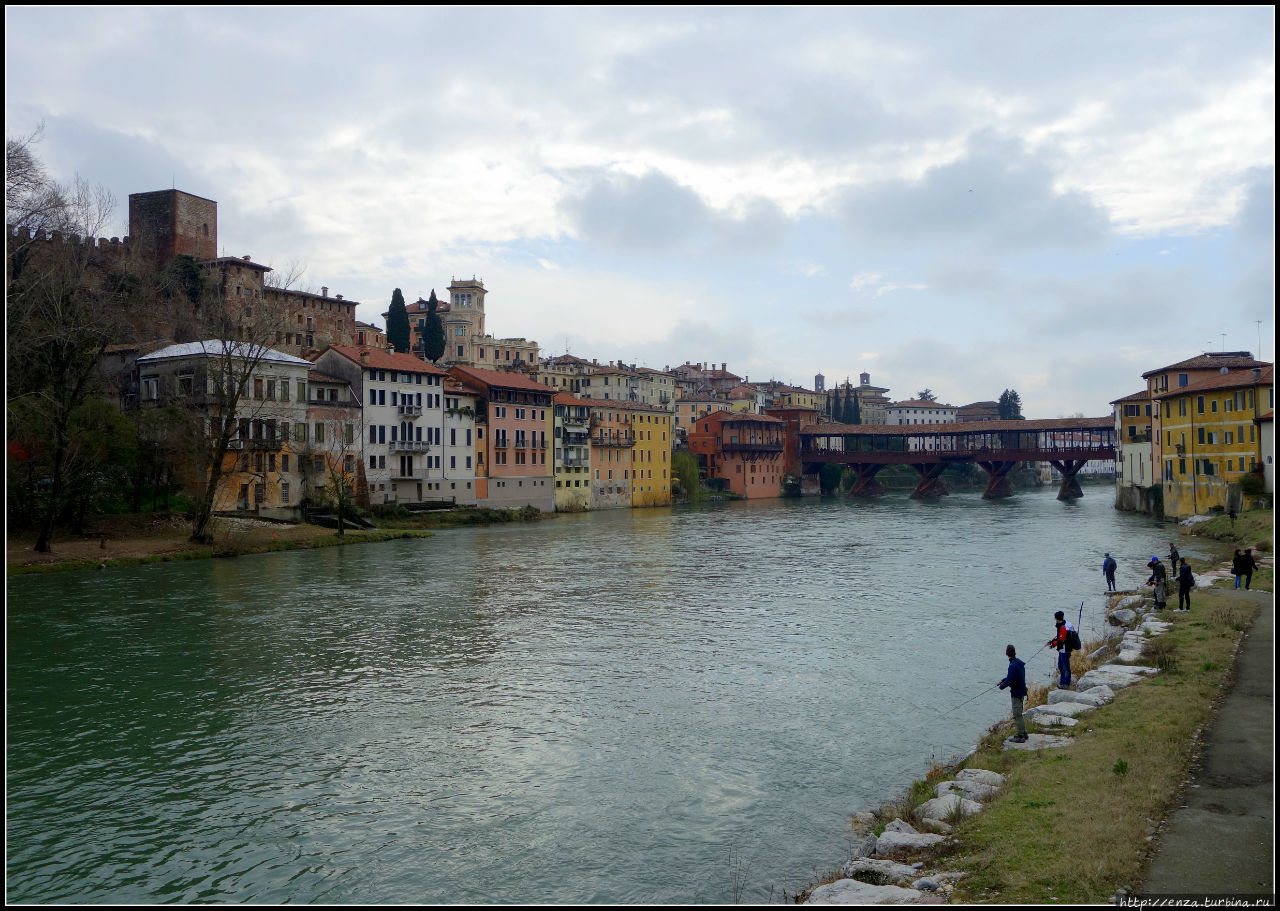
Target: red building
point(744, 450)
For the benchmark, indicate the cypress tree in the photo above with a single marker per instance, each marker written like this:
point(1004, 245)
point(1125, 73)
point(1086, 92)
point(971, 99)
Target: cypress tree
point(433, 338)
point(857, 412)
point(398, 323)
point(847, 416)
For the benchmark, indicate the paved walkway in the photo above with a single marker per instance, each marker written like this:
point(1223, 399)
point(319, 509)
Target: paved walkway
point(1222, 841)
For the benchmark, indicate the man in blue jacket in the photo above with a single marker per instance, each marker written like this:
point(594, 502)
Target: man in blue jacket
point(1016, 681)
point(1109, 570)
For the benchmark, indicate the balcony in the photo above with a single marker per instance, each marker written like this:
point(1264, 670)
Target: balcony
point(256, 445)
point(410, 411)
point(619, 438)
point(409, 446)
point(754, 446)
point(575, 462)
point(413, 474)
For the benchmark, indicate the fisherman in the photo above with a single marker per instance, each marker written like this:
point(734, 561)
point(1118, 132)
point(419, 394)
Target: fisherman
point(1185, 581)
point(1016, 681)
point(1061, 641)
point(1109, 570)
point(1174, 557)
point(1157, 582)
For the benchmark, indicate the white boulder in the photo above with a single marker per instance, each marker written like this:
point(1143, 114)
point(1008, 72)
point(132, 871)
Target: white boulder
point(943, 807)
point(974, 790)
point(1114, 676)
point(982, 776)
point(853, 892)
point(1038, 742)
point(877, 868)
point(891, 842)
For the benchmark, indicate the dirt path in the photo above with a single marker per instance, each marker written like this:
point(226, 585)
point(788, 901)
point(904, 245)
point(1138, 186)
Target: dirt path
point(133, 537)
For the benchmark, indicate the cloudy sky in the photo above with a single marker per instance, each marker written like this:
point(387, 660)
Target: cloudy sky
point(1052, 200)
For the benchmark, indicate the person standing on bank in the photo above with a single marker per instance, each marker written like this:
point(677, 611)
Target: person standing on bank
point(1174, 557)
point(1062, 641)
point(1248, 565)
point(1157, 583)
point(1185, 582)
point(1016, 682)
point(1109, 570)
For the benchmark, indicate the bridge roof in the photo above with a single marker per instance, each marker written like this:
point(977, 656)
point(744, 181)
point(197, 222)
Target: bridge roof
point(1104, 423)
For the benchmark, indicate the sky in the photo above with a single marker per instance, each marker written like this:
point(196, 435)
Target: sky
point(1052, 200)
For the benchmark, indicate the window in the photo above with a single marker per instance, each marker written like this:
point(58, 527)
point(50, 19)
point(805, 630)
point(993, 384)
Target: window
point(320, 432)
point(150, 388)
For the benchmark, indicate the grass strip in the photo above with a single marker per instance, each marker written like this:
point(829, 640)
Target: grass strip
point(1075, 824)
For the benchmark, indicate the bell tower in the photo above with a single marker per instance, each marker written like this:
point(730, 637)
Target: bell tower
point(466, 298)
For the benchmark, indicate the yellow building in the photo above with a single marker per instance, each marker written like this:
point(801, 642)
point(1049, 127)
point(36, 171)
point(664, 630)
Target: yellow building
point(650, 455)
point(1209, 437)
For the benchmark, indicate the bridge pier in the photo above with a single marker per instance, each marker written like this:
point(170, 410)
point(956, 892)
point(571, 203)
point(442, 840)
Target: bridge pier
point(1070, 489)
point(865, 483)
point(1000, 486)
point(930, 486)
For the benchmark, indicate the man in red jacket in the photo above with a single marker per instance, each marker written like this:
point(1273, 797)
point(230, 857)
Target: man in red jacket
point(1059, 641)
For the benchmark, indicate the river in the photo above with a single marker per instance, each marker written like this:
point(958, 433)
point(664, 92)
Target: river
point(620, 706)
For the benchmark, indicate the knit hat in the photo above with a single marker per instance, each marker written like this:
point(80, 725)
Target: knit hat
point(1057, 615)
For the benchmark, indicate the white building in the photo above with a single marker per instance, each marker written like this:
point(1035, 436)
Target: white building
point(915, 411)
point(404, 420)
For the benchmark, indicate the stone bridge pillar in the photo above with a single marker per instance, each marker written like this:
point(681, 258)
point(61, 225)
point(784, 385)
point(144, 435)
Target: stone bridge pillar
point(865, 483)
point(1070, 489)
point(930, 486)
point(999, 486)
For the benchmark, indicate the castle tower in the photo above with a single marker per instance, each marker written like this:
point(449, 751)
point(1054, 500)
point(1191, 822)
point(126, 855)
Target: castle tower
point(819, 383)
point(466, 298)
point(168, 223)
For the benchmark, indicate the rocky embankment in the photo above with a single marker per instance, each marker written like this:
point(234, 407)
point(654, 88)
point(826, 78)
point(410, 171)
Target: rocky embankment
point(899, 865)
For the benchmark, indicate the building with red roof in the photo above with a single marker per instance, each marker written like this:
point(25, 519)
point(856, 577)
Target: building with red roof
point(514, 423)
point(745, 451)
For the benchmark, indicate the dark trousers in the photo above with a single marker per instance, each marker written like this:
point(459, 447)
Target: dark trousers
point(1184, 596)
point(1111, 582)
point(1064, 669)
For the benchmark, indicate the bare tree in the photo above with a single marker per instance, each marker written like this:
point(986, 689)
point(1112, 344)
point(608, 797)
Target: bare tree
point(63, 307)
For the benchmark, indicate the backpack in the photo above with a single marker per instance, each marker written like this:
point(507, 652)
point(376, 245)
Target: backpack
point(1073, 641)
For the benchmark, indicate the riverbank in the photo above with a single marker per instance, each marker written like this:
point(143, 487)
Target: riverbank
point(164, 538)
point(1080, 821)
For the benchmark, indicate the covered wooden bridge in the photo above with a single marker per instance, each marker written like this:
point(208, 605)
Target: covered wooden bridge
point(998, 446)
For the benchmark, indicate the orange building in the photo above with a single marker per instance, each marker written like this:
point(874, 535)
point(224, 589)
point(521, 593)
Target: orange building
point(612, 439)
point(744, 450)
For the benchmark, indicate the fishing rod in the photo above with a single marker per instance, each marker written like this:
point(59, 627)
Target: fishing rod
point(967, 701)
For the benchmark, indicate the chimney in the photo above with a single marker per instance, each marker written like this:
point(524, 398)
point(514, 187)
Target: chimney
point(245, 257)
point(324, 292)
point(364, 358)
point(724, 367)
point(338, 296)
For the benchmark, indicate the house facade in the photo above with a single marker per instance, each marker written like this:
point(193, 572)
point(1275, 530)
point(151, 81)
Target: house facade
point(403, 407)
point(612, 439)
point(1211, 437)
point(514, 424)
point(746, 451)
point(262, 391)
point(572, 438)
